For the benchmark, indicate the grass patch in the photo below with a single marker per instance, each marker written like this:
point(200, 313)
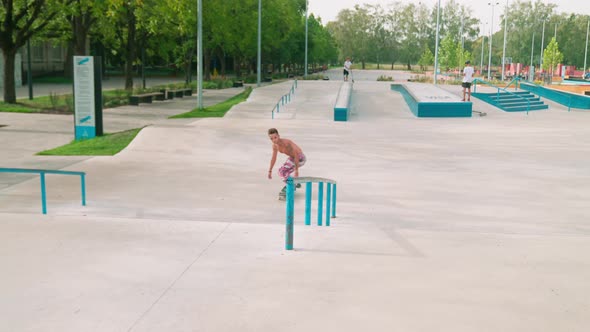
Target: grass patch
point(53, 80)
point(17, 108)
point(53, 101)
point(107, 145)
point(217, 110)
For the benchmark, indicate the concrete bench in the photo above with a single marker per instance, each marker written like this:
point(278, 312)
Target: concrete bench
point(145, 98)
point(428, 100)
point(177, 93)
point(342, 105)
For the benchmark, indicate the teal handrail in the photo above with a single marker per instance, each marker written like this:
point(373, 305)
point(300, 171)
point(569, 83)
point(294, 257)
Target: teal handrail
point(42, 173)
point(286, 98)
point(498, 92)
point(330, 203)
point(516, 79)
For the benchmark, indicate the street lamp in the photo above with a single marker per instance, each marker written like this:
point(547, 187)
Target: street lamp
point(259, 61)
point(436, 42)
point(542, 42)
point(532, 47)
point(483, 39)
point(306, 5)
point(505, 31)
point(491, 36)
point(200, 53)
point(586, 49)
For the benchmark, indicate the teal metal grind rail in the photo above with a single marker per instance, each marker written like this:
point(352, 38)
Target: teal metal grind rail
point(42, 173)
point(330, 203)
point(285, 99)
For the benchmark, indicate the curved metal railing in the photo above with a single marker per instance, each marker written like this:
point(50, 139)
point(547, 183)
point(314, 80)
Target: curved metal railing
point(42, 173)
point(290, 206)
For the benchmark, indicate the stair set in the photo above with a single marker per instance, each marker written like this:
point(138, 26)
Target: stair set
point(517, 101)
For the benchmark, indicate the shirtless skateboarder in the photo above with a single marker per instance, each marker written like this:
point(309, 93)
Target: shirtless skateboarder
point(295, 159)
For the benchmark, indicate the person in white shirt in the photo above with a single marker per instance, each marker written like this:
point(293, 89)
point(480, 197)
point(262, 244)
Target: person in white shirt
point(467, 79)
point(347, 65)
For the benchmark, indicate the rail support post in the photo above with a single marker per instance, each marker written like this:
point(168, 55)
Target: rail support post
point(43, 193)
point(290, 215)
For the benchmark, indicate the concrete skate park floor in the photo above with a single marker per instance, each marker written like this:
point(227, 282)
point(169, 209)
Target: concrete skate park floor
point(454, 224)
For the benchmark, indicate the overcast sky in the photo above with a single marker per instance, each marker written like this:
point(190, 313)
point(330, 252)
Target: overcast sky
point(328, 9)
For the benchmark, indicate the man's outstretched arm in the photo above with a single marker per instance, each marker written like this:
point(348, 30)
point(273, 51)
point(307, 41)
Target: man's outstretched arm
point(272, 161)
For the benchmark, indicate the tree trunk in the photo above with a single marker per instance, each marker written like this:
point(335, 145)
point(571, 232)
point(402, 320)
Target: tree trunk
point(409, 65)
point(223, 64)
point(9, 84)
point(80, 36)
point(237, 66)
point(69, 62)
point(188, 61)
point(130, 48)
point(77, 45)
point(207, 66)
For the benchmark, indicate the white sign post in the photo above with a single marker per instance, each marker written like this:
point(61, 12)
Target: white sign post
point(84, 103)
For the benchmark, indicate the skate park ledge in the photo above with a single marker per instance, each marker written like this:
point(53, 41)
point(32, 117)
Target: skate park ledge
point(428, 100)
point(342, 105)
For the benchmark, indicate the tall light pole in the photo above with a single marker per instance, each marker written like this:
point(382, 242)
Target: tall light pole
point(504, 48)
point(491, 36)
point(259, 61)
point(542, 42)
point(461, 33)
point(305, 71)
point(532, 47)
point(200, 53)
point(436, 43)
point(483, 39)
point(29, 67)
point(586, 49)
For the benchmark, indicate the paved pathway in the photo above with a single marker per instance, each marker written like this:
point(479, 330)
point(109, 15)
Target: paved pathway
point(469, 224)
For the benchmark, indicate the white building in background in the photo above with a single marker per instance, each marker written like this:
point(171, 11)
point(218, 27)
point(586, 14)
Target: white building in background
point(45, 59)
point(18, 76)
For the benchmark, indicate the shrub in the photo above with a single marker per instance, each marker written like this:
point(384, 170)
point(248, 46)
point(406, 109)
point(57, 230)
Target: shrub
point(312, 77)
point(385, 78)
point(420, 78)
point(54, 100)
point(69, 103)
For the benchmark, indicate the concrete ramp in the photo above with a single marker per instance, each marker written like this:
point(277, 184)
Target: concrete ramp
point(312, 100)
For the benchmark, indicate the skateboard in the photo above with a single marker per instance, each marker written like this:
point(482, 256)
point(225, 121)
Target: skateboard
point(480, 113)
point(283, 192)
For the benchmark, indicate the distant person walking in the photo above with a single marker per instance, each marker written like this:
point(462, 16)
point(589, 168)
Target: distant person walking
point(347, 68)
point(467, 79)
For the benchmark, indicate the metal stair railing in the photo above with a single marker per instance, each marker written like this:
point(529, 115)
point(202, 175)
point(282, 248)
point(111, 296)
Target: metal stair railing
point(42, 173)
point(515, 81)
point(498, 92)
point(290, 200)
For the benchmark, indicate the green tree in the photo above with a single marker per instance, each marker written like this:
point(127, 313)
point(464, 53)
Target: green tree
point(352, 33)
point(409, 33)
point(21, 21)
point(448, 53)
point(427, 59)
point(552, 56)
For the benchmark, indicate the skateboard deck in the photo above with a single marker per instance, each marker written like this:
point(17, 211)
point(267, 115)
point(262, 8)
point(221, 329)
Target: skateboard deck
point(283, 193)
